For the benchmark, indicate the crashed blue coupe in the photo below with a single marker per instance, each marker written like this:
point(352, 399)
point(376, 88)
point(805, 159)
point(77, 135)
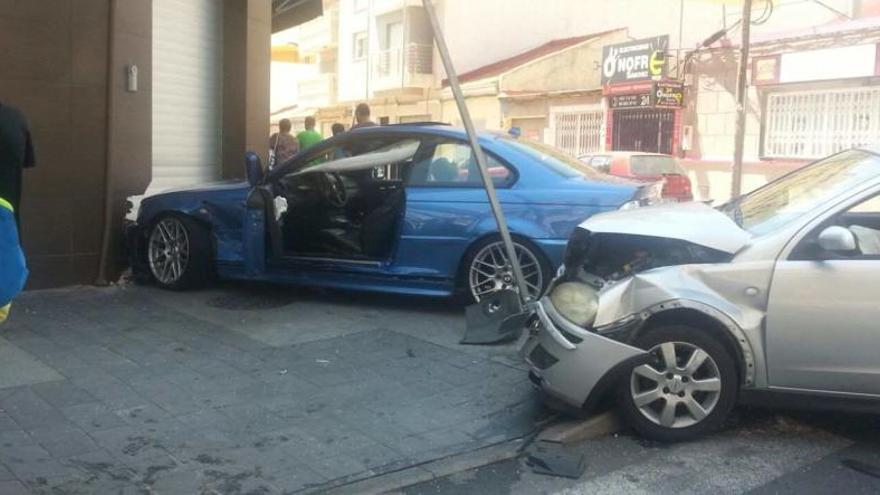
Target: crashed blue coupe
point(396, 208)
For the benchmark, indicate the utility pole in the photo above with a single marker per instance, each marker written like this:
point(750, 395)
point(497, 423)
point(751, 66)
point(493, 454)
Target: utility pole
point(741, 93)
point(477, 151)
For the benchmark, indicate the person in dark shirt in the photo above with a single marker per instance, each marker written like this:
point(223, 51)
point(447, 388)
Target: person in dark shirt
point(337, 129)
point(16, 153)
point(362, 116)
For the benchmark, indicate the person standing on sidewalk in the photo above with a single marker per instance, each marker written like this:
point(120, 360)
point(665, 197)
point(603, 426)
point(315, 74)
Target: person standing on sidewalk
point(282, 144)
point(310, 136)
point(16, 154)
point(362, 116)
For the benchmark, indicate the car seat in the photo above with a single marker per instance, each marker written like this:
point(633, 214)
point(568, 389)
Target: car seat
point(443, 170)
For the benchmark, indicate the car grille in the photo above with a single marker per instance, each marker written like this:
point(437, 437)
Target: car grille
point(541, 358)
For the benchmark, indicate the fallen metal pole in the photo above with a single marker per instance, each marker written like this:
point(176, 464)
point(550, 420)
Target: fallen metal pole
point(477, 152)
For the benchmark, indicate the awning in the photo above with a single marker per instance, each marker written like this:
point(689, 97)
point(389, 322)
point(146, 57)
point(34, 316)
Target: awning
point(289, 13)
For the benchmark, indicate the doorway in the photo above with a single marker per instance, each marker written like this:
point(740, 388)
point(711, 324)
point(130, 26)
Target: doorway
point(645, 129)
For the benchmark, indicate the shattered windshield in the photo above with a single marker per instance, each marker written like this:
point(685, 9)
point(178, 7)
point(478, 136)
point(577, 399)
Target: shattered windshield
point(782, 201)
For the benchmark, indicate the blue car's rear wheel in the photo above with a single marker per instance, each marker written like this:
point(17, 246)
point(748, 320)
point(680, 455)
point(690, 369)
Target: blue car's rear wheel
point(489, 270)
point(178, 252)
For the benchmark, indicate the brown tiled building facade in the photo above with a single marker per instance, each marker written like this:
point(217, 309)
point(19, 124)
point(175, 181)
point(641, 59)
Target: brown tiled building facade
point(65, 63)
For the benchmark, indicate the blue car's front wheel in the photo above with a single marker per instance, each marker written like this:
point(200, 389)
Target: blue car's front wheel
point(178, 252)
point(489, 268)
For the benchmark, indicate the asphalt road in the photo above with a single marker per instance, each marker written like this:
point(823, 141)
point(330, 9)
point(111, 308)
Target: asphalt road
point(760, 452)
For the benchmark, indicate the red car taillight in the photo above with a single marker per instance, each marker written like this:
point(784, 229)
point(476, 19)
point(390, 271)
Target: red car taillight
point(677, 187)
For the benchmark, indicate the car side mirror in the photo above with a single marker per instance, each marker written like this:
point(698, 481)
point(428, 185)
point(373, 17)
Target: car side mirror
point(837, 239)
point(253, 168)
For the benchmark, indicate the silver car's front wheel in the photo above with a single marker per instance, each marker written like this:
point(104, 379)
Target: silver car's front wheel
point(686, 388)
point(680, 388)
point(489, 270)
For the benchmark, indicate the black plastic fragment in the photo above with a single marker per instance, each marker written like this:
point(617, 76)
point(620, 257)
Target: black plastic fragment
point(555, 459)
point(872, 470)
point(498, 318)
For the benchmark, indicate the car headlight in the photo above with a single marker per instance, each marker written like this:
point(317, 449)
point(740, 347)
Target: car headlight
point(576, 302)
point(630, 205)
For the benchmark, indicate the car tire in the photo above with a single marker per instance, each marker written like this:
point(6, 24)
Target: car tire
point(178, 253)
point(700, 396)
point(493, 247)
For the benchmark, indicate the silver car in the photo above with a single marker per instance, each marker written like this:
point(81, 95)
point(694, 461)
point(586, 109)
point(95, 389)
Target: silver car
point(684, 310)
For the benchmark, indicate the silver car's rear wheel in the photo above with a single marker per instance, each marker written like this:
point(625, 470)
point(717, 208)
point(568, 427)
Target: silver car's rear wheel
point(490, 270)
point(679, 388)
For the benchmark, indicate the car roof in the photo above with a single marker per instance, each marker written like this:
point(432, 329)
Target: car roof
point(626, 154)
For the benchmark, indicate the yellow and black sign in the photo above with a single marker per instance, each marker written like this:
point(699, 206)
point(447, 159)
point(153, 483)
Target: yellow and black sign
point(637, 60)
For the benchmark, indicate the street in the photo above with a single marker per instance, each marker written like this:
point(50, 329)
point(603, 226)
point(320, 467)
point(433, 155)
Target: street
point(760, 452)
point(261, 389)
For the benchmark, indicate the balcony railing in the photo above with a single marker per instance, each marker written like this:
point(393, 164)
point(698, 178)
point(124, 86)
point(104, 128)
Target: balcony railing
point(403, 66)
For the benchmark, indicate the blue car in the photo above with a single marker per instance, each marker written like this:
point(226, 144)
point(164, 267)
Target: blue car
point(396, 208)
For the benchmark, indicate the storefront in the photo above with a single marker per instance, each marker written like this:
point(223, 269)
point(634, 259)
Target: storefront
point(643, 106)
point(818, 102)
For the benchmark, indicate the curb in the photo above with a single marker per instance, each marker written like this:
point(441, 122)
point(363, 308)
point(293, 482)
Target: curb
point(569, 431)
point(573, 431)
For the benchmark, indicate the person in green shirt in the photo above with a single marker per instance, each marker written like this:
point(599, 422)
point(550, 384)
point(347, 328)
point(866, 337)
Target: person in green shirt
point(310, 136)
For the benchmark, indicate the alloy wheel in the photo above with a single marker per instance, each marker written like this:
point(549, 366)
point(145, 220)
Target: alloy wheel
point(168, 251)
point(679, 388)
point(491, 271)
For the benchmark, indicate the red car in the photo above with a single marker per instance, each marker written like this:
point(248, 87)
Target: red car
point(646, 167)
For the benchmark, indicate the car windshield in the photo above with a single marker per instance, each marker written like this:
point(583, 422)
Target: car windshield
point(782, 201)
point(555, 160)
point(653, 165)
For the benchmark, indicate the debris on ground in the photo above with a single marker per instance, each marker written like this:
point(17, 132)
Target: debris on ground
point(556, 459)
point(872, 470)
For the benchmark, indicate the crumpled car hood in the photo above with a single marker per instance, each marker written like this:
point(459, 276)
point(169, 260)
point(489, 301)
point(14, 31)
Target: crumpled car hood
point(694, 222)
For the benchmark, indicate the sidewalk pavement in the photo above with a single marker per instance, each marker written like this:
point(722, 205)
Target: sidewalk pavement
point(242, 390)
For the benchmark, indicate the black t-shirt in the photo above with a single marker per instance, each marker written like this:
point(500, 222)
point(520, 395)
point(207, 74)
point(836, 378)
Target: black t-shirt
point(16, 152)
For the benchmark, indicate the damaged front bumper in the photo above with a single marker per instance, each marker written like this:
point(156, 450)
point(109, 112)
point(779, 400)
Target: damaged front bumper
point(574, 365)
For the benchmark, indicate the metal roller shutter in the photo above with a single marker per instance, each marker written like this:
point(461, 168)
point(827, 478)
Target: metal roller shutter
point(187, 92)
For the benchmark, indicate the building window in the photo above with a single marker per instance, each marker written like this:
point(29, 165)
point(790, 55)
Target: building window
point(813, 124)
point(359, 46)
point(579, 133)
point(360, 4)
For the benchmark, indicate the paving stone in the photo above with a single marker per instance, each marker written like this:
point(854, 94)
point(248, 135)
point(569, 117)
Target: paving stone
point(130, 443)
point(62, 393)
point(94, 416)
point(13, 487)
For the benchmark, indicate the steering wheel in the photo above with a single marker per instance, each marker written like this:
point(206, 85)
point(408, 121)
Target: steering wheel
point(335, 191)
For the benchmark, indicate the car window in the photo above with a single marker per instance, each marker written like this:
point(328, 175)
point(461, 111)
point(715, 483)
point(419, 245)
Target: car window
point(554, 159)
point(361, 147)
point(863, 220)
point(653, 165)
point(770, 207)
point(452, 164)
point(602, 163)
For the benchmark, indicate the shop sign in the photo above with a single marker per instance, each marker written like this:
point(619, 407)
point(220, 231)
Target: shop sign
point(828, 63)
point(765, 70)
point(638, 60)
point(630, 101)
point(668, 94)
